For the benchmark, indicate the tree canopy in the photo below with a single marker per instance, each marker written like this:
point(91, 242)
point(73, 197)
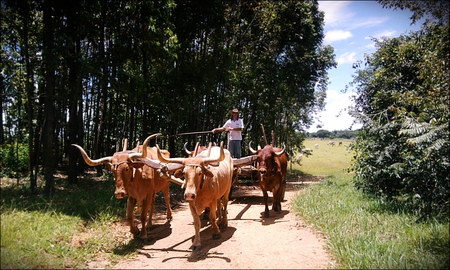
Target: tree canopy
point(96, 72)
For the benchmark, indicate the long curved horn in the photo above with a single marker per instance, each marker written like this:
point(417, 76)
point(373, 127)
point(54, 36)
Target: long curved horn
point(144, 147)
point(208, 153)
point(89, 161)
point(281, 152)
point(215, 159)
point(186, 150)
point(253, 151)
point(168, 160)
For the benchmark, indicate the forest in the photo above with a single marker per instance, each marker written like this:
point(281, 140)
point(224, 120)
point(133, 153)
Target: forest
point(94, 73)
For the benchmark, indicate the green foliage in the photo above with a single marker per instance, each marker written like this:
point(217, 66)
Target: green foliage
point(163, 66)
point(343, 134)
point(402, 151)
point(14, 158)
point(364, 232)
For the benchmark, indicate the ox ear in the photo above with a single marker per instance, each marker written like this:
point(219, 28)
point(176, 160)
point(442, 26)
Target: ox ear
point(110, 166)
point(207, 173)
point(178, 173)
point(136, 165)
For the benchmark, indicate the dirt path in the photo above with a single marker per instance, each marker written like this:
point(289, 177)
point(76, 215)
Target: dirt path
point(281, 241)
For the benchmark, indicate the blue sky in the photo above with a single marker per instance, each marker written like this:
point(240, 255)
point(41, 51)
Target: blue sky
point(349, 26)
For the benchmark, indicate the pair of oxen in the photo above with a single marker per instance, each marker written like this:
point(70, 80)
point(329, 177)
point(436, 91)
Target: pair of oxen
point(208, 175)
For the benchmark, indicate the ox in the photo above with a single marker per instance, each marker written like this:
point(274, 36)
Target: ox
point(139, 182)
point(208, 183)
point(332, 143)
point(272, 167)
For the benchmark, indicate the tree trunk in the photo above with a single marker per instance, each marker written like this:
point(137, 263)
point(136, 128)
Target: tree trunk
point(30, 101)
point(2, 90)
point(49, 109)
point(74, 94)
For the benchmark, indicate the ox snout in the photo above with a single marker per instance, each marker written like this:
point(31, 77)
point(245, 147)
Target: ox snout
point(189, 196)
point(262, 171)
point(120, 193)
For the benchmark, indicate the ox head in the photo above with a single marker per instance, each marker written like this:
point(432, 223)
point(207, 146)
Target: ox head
point(122, 164)
point(267, 159)
point(194, 170)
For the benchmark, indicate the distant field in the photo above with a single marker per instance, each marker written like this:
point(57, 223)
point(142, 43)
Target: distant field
point(325, 159)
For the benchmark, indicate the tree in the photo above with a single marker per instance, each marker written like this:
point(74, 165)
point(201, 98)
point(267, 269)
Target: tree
point(402, 149)
point(96, 72)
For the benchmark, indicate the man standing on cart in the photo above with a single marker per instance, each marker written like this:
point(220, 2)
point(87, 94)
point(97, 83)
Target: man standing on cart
point(234, 126)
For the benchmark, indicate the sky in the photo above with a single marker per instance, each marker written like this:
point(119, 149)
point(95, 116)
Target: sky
point(349, 28)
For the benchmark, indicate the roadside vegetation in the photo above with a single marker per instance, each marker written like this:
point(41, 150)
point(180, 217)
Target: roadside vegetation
point(365, 232)
point(69, 230)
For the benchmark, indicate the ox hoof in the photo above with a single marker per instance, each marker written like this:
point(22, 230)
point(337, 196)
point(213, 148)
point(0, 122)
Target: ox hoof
point(169, 218)
point(223, 227)
point(216, 236)
point(196, 248)
point(266, 214)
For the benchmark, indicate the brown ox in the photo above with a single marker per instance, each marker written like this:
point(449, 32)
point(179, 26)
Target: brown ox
point(208, 183)
point(272, 167)
point(139, 182)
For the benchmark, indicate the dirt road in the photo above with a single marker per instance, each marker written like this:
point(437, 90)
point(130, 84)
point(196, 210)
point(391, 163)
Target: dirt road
point(281, 241)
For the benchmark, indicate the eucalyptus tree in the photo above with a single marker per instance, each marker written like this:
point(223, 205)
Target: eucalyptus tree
point(279, 59)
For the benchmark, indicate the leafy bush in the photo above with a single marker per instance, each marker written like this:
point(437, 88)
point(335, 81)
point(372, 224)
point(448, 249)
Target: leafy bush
point(402, 150)
point(14, 158)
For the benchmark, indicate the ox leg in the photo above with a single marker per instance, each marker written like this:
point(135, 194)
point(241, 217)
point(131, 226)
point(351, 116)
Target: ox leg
point(151, 211)
point(167, 200)
point(266, 207)
point(212, 218)
point(276, 206)
point(131, 202)
point(223, 214)
point(146, 206)
point(196, 244)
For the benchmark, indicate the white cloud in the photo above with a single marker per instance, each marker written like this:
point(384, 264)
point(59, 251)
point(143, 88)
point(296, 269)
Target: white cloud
point(348, 57)
point(335, 117)
point(335, 12)
point(368, 22)
point(337, 35)
point(386, 33)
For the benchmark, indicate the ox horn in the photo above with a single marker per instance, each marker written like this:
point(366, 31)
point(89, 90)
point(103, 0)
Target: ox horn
point(215, 159)
point(89, 161)
point(168, 160)
point(191, 153)
point(144, 147)
point(281, 152)
point(208, 153)
point(186, 150)
point(253, 151)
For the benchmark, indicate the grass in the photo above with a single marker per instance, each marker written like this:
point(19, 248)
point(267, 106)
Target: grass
point(364, 232)
point(66, 231)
